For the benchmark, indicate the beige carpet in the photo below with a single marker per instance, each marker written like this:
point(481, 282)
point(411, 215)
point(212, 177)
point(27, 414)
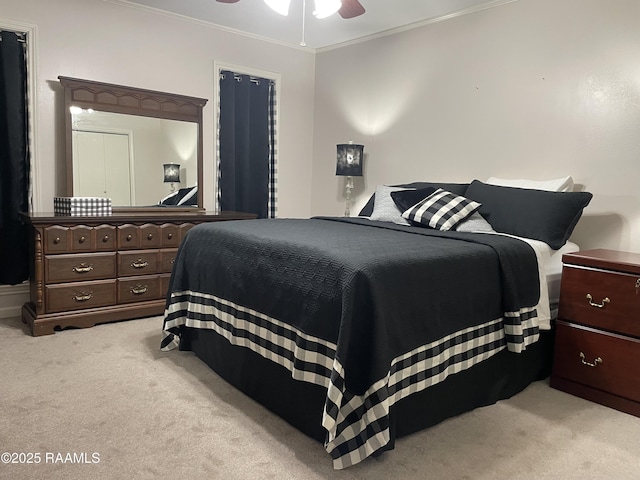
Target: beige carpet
point(107, 393)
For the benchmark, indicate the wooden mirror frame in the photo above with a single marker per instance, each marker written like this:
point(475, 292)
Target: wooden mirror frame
point(108, 97)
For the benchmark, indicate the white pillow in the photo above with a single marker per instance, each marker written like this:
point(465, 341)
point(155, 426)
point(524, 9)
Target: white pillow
point(564, 184)
point(384, 208)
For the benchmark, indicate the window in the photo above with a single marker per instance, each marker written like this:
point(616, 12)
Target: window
point(246, 142)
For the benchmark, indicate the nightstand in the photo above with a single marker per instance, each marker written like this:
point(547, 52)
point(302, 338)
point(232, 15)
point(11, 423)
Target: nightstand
point(597, 346)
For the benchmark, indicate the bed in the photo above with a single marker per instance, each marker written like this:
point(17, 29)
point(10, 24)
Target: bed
point(358, 331)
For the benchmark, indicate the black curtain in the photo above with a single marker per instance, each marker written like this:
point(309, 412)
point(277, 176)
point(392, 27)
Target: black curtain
point(14, 159)
point(243, 183)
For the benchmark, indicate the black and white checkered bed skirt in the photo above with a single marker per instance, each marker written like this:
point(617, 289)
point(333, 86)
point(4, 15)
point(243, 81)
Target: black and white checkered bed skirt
point(356, 425)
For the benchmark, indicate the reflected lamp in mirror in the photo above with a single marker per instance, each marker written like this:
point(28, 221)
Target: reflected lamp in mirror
point(349, 164)
point(172, 174)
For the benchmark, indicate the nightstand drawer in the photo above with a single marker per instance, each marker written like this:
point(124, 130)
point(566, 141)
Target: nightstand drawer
point(599, 298)
point(599, 360)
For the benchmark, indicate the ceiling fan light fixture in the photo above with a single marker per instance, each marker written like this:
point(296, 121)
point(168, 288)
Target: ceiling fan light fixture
point(325, 8)
point(280, 6)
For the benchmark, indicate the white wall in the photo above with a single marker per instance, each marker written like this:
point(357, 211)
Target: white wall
point(532, 89)
point(116, 43)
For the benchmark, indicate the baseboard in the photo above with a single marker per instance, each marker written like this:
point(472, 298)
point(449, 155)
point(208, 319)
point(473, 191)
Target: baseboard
point(12, 297)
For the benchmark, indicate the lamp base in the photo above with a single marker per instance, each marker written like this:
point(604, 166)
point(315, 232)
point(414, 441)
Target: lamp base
point(348, 186)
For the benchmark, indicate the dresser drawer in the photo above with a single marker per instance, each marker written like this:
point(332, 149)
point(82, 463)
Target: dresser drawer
point(138, 236)
point(600, 360)
point(79, 238)
point(138, 262)
point(167, 259)
point(78, 267)
point(56, 239)
point(600, 298)
point(105, 237)
point(139, 289)
point(170, 235)
point(184, 228)
point(80, 295)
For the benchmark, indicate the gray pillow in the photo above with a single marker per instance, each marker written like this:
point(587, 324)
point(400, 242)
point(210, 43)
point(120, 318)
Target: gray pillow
point(458, 188)
point(384, 208)
point(474, 224)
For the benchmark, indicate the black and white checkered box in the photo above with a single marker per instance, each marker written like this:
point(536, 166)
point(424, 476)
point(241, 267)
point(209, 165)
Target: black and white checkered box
point(81, 206)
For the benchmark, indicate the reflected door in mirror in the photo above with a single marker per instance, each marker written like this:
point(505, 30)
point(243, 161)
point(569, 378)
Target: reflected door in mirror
point(103, 166)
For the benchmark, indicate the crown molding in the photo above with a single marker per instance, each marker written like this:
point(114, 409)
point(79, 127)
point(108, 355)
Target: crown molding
point(421, 23)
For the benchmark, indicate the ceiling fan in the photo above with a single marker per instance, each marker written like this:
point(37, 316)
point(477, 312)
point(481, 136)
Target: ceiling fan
point(348, 9)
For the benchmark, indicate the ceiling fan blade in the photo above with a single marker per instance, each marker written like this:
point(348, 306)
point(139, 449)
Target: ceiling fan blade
point(228, 1)
point(351, 8)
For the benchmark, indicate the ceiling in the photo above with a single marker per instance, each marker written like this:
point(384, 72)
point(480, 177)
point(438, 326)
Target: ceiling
point(255, 18)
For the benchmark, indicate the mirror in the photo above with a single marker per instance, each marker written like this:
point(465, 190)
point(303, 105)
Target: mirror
point(121, 142)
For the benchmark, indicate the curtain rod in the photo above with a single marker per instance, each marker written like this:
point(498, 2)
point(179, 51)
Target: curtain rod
point(252, 79)
point(21, 35)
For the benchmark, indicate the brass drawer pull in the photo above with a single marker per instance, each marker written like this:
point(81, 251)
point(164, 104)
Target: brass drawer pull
point(82, 268)
point(82, 239)
point(139, 263)
point(139, 289)
point(588, 364)
point(170, 236)
point(105, 239)
point(83, 296)
point(150, 236)
point(56, 240)
point(598, 305)
point(129, 237)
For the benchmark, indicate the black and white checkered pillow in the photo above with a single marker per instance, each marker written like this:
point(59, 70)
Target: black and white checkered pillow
point(441, 210)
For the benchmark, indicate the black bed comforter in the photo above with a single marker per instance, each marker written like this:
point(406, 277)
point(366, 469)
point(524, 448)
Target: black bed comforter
point(370, 310)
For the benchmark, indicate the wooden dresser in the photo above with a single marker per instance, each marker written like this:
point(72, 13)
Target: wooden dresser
point(597, 347)
point(89, 270)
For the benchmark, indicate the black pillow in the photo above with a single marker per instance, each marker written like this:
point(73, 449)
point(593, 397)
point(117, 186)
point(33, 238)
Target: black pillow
point(457, 188)
point(405, 199)
point(537, 214)
point(184, 196)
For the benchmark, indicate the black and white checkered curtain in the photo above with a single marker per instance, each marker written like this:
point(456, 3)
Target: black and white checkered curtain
point(14, 158)
point(246, 155)
point(273, 150)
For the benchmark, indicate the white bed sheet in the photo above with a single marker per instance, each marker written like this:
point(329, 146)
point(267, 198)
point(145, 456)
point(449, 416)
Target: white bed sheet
point(550, 269)
point(553, 272)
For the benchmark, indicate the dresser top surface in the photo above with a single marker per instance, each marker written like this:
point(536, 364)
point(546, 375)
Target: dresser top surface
point(163, 215)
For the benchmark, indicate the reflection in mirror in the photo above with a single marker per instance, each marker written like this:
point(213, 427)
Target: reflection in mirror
point(118, 139)
point(122, 156)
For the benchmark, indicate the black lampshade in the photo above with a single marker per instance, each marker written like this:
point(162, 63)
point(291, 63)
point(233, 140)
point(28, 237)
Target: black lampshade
point(171, 173)
point(349, 159)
